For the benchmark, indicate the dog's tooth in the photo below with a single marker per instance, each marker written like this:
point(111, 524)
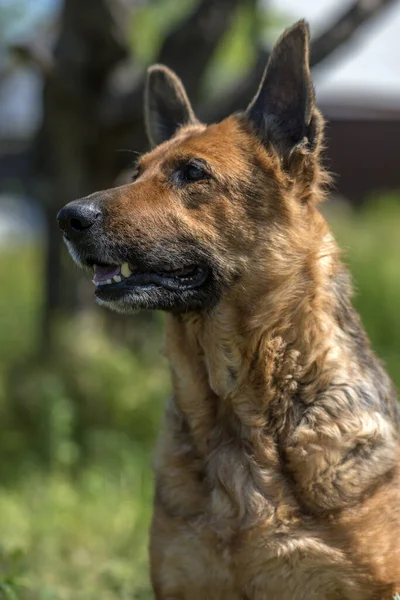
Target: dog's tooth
point(108, 281)
point(117, 278)
point(125, 270)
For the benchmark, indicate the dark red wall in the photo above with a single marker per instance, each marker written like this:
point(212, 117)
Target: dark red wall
point(364, 156)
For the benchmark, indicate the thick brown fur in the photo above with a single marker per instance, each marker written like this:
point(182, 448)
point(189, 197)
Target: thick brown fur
point(278, 465)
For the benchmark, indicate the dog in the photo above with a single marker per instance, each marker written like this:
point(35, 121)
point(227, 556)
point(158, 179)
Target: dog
point(277, 469)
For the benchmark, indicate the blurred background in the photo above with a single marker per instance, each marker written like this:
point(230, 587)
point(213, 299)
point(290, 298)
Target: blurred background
point(81, 390)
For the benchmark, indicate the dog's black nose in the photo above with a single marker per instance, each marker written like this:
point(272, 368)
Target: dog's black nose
point(76, 218)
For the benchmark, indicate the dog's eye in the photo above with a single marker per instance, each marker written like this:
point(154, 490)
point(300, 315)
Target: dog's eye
point(194, 171)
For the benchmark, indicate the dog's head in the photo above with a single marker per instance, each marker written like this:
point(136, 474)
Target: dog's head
point(208, 202)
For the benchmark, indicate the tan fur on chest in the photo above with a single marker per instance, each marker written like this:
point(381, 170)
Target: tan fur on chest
point(280, 556)
point(234, 519)
point(215, 536)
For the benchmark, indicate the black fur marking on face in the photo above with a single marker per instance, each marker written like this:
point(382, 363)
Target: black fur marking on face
point(177, 275)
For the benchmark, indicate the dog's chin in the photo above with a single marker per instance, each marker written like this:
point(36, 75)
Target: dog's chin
point(167, 295)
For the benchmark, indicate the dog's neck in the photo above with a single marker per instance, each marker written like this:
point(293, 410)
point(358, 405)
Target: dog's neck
point(230, 365)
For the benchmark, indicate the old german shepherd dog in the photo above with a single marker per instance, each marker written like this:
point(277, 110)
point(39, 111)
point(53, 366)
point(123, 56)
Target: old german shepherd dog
point(277, 468)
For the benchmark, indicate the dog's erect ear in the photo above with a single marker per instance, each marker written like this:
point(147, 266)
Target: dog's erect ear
point(283, 110)
point(167, 106)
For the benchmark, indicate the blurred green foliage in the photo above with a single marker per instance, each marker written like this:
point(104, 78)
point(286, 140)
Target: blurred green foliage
point(370, 242)
point(77, 431)
point(91, 395)
point(235, 53)
point(81, 538)
point(150, 24)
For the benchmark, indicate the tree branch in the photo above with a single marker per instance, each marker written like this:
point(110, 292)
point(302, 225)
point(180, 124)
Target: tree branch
point(239, 96)
point(92, 37)
point(200, 33)
point(174, 52)
point(343, 29)
point(334, 36)
point(36, 55)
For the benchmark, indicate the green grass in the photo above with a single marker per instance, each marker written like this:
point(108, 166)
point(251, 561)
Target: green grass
point(85, 537)
point(371, 248)
point(82, 539)
point(76, 438)
point(76, 433)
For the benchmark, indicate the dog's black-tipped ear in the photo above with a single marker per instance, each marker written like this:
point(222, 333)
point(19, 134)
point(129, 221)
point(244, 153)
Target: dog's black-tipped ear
point(282, 111)
point(167, 106)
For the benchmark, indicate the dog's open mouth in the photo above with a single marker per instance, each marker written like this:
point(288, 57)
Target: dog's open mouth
point(113, 278)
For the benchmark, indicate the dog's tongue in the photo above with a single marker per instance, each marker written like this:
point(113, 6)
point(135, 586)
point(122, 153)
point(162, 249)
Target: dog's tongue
point(105, 272)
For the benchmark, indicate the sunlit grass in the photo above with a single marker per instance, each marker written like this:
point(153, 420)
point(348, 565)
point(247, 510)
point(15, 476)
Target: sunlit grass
point(77, 539)
point(20, 299)
point(371, 247)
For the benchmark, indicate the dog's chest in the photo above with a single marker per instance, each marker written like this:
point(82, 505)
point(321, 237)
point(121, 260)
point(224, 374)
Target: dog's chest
point(240, 492)
point(192, 561)
point(232, 504)
point(230, 529)
point(201, 559)
point(233, 488)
